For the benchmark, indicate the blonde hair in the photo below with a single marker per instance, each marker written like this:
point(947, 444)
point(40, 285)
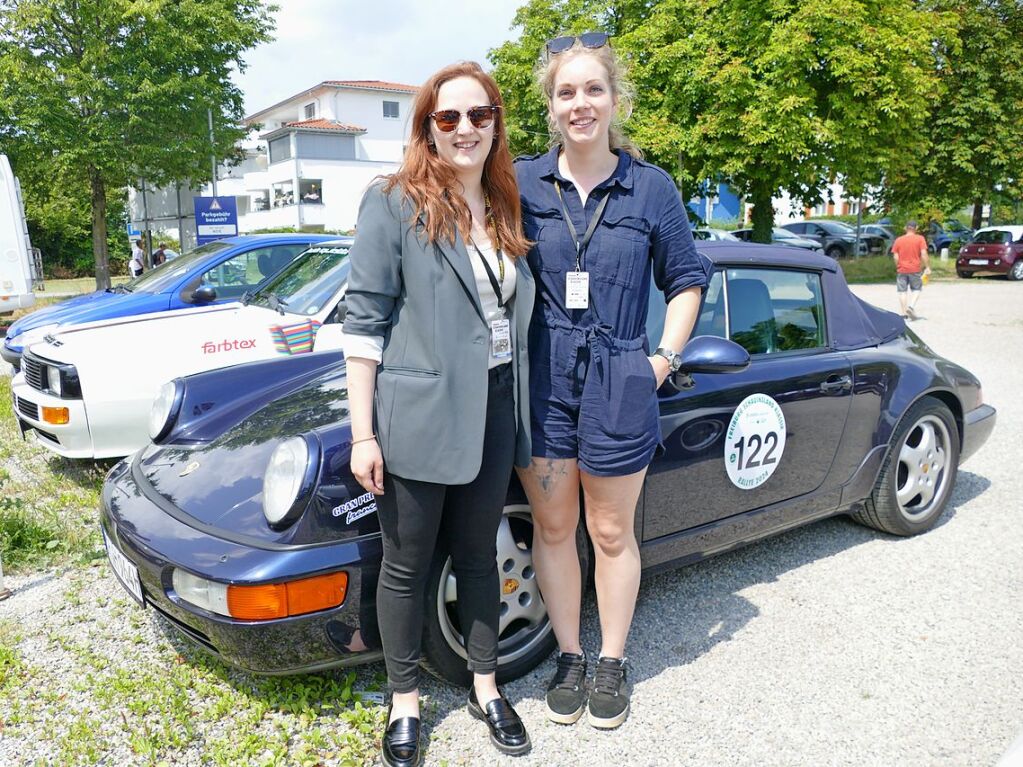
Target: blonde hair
point(621, 90)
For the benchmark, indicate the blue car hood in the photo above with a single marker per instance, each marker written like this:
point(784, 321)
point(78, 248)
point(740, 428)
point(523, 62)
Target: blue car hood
point(100, 305)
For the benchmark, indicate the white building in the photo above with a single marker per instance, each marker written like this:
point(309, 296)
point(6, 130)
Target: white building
point(307, 162)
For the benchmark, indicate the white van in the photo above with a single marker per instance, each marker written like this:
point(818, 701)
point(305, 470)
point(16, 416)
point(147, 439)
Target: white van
point(17, 268)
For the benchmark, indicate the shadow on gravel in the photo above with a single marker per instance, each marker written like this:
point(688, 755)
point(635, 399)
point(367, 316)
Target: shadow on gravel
point(83, 473)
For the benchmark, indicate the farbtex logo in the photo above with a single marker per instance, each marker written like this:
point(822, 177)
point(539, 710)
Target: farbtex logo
point(295, 339)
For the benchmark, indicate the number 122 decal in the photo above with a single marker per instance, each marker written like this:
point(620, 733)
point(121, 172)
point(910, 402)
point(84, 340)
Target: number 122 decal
point(754, 441)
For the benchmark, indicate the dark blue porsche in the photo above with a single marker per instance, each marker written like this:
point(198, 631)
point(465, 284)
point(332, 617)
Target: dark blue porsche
point(244, 528)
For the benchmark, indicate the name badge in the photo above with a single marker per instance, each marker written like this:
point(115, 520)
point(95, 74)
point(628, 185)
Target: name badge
point(500, 339)
point(577, 290)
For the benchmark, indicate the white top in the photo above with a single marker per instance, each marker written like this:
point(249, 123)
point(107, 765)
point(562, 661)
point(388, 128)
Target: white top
point(372, 347)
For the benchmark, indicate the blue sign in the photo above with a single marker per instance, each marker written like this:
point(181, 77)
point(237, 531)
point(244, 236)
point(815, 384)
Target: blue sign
point(215, 218)
point(133, 233)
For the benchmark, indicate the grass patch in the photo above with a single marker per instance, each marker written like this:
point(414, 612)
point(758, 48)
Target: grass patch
point(77, 285)
point(873, 269)
point(48, 504)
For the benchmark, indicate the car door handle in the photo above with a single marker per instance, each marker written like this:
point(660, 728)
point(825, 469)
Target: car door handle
point(836, 384)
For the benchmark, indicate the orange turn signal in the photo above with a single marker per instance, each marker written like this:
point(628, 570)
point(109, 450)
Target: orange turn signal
point(279, 600)
point(56, 415)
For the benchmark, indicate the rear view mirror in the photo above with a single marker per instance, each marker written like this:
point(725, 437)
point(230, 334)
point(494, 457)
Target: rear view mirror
point(709, 354)
point(204, 294)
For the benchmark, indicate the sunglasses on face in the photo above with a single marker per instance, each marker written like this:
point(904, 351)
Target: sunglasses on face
point(447, 120)
point(586, 40)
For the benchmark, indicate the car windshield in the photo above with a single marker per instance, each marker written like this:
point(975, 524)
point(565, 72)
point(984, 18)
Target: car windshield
point(306, 284)
point(993, 237)
point(784, 234)
point(168, 274)
point(836, 227)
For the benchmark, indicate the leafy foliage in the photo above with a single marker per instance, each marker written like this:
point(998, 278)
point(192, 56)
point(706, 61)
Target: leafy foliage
point(97, 93)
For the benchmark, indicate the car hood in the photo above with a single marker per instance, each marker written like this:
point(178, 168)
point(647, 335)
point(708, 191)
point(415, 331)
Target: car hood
point(220, 483)
point(100, 305)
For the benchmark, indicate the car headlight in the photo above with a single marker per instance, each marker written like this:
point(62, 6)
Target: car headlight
point(53, 379)
point(289, 479)
point(166, 407)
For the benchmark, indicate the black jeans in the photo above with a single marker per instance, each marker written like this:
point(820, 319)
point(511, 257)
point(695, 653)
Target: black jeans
point(415, 516)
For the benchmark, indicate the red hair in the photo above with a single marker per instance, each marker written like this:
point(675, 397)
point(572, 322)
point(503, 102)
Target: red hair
point(431, 185)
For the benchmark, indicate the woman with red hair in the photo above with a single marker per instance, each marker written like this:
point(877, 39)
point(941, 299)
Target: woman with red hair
point(439, 301)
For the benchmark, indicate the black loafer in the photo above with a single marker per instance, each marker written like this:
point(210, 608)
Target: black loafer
point(402, 744)
point(507, 732)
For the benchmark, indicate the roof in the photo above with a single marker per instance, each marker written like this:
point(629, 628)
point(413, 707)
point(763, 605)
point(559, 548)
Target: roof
point(851, 322)
point(372, 85)
point(365, 85)
point(317, 125)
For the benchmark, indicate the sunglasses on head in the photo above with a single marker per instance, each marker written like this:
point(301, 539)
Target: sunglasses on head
point(447, 120)
point(586, 40)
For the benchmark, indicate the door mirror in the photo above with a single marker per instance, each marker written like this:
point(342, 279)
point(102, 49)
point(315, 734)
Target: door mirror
point(204, 294)
point(709, 354)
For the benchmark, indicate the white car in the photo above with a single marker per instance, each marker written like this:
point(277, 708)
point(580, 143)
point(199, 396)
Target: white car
point(88, 390)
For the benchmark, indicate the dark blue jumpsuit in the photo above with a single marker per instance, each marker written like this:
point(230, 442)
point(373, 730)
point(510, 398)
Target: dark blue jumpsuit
point(592, 389)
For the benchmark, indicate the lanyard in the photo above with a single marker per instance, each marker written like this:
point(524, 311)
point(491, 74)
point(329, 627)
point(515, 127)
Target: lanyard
point(580, 244)
point(494, 283)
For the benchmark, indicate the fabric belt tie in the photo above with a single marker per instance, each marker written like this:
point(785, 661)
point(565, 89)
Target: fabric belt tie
point(599, 339)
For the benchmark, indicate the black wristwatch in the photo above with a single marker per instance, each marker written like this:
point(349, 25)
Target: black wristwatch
point(674, 360)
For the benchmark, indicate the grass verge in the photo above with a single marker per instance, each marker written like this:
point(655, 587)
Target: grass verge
point(873, 269)
point(48, 504)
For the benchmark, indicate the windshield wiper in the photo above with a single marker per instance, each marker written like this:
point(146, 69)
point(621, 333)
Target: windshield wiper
point(276, 302)
point(119, 289)
point(246, 297)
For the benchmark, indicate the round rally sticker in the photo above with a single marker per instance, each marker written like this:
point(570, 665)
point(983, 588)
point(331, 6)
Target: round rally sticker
point(755, 441)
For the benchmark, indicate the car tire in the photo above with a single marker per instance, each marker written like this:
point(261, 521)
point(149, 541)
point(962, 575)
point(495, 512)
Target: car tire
point(918, 474)
point(931, 248)
point(1016, 271)
point(964, 275)
point(526, 636)
point(835, 252)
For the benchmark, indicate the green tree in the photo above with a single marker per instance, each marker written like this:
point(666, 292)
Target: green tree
point(95, 94)
point(974, 130)
point(768, 96)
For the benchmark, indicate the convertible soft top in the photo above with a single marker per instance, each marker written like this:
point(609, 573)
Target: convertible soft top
point(853, 323)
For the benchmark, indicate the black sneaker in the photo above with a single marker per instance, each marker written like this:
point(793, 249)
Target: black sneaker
point(566, 694)
point(609, 698)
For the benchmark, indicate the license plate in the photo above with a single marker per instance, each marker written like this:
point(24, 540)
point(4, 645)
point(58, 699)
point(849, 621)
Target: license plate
point(978, 262)
point(125, 571)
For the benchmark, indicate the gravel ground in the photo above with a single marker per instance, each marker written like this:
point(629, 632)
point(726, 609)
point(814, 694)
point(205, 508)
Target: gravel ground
point(829, 645)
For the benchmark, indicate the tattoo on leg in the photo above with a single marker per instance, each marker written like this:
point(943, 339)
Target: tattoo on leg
point(548, 471)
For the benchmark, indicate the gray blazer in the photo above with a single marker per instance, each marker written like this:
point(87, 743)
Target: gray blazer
point(431, 387)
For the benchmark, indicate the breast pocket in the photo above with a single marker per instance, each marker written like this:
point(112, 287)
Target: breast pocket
point(623, 251)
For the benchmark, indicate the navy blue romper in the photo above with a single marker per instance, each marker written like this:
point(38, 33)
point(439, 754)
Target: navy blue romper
point(592, 390)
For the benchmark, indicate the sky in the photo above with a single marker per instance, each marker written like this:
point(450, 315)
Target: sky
point(400, 41)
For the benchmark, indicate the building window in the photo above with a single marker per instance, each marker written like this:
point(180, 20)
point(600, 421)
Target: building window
point(280, 149)
point(284, 194)
point(324, 146)
point(391, 110)
point(260, 199)
point(310, 111)
point(310, 191)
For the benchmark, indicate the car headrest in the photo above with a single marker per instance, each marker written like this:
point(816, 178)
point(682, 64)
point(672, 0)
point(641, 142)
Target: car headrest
point(274, 261)
point(752, 316)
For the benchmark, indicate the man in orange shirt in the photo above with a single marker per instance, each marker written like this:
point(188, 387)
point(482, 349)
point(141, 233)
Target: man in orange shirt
point(911, 263)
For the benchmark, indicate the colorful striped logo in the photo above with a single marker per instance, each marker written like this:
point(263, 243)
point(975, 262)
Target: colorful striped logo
point(295, 339)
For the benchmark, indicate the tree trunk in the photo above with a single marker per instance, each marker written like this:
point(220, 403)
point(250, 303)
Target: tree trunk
point(99, 229)
point(978, 210)
point(763, 213)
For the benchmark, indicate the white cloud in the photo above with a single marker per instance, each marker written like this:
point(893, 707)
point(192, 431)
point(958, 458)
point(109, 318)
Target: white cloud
point(394, 40)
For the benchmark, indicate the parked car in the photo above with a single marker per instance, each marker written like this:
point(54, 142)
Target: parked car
point(837, 239)
point(886, 235)
point(781, 236)
point(707, 233)
point(993, 250)
point(214, 273)
point(243, 526)
point(87, 391)
point(951, 234)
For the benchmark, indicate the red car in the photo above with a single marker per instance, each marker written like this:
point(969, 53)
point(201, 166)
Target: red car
point(993, 250)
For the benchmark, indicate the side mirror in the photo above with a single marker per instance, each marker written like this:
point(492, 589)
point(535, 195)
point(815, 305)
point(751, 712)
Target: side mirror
point(709, 354)
point(204, 294)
